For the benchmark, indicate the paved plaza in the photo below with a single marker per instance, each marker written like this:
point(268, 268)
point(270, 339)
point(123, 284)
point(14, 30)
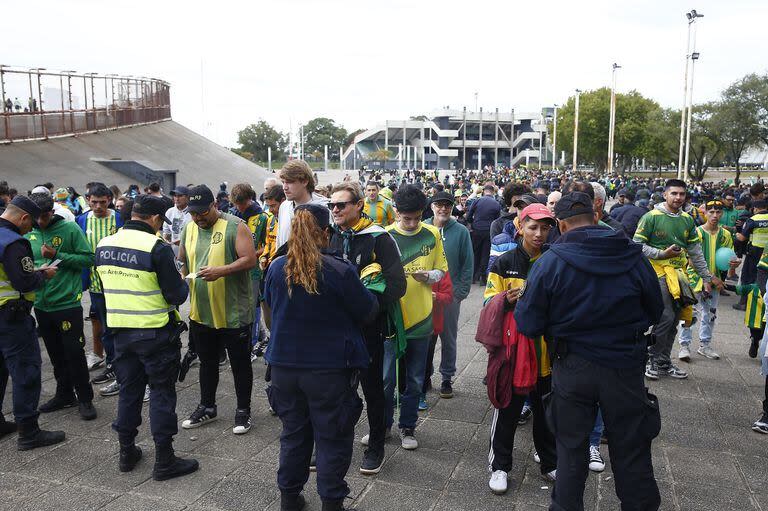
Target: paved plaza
point(706, 457)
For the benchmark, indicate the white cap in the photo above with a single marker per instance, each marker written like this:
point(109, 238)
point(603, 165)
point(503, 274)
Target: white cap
point(41, 189)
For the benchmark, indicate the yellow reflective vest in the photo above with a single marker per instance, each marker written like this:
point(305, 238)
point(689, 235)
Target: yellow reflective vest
point(131, 289)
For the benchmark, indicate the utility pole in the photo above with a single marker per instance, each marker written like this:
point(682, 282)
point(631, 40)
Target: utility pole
point(554, 141)
point(612, 125)
point(691, 16)
point(576, 133)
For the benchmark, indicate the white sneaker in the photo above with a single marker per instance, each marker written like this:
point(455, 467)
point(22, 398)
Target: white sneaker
point(551, 476)
point(366, 438)
point(536, 457)
point(146, 395)
point(707, 351)
point(498, 482)
point(596, 462)
point(93, 361)
point(408, 440)
point(685, 354)
point(112, 389)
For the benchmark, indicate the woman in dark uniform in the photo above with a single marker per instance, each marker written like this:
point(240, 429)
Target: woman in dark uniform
point(315, 353)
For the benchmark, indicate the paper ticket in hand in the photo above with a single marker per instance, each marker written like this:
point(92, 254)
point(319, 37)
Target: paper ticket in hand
point(191, 276)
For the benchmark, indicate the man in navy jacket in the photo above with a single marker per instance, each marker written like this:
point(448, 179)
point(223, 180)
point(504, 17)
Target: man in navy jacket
point(480, 216)
point(594, 294)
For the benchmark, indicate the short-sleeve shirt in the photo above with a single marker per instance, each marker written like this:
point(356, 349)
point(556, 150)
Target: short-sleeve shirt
point(381, 211)
point(419, 250)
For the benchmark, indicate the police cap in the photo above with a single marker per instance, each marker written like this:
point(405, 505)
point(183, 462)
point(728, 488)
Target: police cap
point(150, 205)
point(27, 205)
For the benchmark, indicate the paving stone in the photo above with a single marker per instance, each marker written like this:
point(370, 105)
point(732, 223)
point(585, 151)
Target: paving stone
point(68, 498)
point(191, 487)
point(383, 496)
point(131, 502)
point(704, 467)
point(423, 468)
point(704, 498)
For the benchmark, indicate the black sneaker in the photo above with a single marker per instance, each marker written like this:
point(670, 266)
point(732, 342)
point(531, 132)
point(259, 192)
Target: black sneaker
point(87, 411)
point(753, 348)
point(6, 427)
point(200, 416)
point(242, 421)
point(525, 415)
point(57, 403)
point(129, 457)
point(372, 461)
point(446, 390)
point(107, 376)
point(39, 438)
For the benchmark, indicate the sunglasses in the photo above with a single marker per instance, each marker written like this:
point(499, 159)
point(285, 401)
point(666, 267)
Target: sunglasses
point(340, 205)
point(716, 204)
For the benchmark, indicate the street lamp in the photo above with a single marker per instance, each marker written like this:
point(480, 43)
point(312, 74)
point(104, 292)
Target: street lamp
point(576, 132)
point(554, 140)
point(694, 58)
point(691, 16)
point(612, 123)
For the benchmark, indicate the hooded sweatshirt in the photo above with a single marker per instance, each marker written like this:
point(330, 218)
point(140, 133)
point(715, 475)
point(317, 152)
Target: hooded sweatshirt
point(596, 292)
point(458, 250)
point(64, 290)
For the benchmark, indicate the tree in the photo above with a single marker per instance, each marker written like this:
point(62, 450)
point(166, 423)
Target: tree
point(379, 155)
point(660, 142)
point(351, 137)
point(754, 89)
point(323, 131)
point(633, 114)
point(706, 141)
point(736, 121)
point(256, 138)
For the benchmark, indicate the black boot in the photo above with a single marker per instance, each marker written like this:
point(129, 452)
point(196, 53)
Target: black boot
point(6, 427)
point(753, 347)
point(31, 436)
point(168, 465)
point(335, 505)
point(291, 502)
point(87, 411)
point(129, 457)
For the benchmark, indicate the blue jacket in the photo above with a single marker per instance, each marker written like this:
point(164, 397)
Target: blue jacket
point(319, 331)
point(502, 242)
point(596, 292)
point(629, 215)
point(483, 212)
point(458, 251)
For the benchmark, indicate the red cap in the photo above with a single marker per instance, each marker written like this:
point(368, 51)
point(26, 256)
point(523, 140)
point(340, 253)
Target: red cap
point(537, 211)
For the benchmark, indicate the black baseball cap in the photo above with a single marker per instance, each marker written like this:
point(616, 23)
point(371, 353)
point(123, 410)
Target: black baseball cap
point(526, 200)
point(762, 204)
point(27, 205)
point(572, 204)
point(200, 199)
point(180, 190)
point(443, 197)
point(321, 214)
point(150, 205)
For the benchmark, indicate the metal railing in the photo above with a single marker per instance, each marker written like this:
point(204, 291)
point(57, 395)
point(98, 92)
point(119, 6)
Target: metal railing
point(62, 103)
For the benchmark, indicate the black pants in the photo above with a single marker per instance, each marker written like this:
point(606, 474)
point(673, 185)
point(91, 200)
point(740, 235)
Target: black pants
point(143, 357)
point(757, 333)
point(209, 342)
point(504, 425)
point(372, 381)
point(62, 333)
point(632, 421)
point(749, 269)
point(481, 247)
point(316, 407)
point(20, 352)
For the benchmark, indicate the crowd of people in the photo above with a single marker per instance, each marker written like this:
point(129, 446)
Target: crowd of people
point(581, 304)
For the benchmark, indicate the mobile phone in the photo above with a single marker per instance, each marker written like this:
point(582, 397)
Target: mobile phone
point(54, 264)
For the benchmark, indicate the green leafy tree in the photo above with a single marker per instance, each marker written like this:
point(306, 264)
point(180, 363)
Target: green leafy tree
point(659, 145)
point(256, 138)
point(379, 155)
point(351, 137)
point(754, 90)
point(707, 144)
point(323, 131)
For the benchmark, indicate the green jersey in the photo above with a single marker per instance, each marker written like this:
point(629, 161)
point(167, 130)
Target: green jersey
point(226, 302)
point(660, 230)
point(729, 217)
point(97, 229)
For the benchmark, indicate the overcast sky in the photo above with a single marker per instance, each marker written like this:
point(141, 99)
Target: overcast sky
point(360, 62)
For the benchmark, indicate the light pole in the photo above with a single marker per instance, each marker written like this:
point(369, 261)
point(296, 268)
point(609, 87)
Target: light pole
point(694, 58)
point(612, 124)
point(691, 16)
point(576, 133)
point(554, 141)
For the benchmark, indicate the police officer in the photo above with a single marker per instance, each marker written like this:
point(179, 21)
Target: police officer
point(594, 294)
point(19, 348)
point(141, 289)
point(755, 231)
point(315, 353)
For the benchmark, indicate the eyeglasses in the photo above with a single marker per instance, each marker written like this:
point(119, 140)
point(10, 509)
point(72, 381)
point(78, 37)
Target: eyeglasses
point(339, 205)
point(443, 205)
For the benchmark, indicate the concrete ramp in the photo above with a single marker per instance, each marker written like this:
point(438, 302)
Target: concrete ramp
point(72, 161)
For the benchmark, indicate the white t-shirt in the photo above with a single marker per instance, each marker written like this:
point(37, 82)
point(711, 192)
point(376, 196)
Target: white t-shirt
point(178, 220)
point(285, 215)
point(63, 212)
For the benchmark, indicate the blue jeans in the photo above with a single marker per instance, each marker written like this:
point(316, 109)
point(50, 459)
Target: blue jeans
point(256, 312)
point(597, 431)
point(97, 299)
point(706, 312)
point(415, 363)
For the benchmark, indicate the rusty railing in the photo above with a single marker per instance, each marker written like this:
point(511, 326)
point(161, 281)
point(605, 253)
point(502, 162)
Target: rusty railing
point(38, 104)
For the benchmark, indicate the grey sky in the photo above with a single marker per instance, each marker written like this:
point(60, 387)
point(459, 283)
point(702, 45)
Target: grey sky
point(362, 61)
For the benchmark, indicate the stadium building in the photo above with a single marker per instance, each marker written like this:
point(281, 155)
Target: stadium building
point(451, 139)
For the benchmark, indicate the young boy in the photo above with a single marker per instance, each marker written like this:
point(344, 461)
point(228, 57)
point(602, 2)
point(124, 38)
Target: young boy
point(713, 237)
